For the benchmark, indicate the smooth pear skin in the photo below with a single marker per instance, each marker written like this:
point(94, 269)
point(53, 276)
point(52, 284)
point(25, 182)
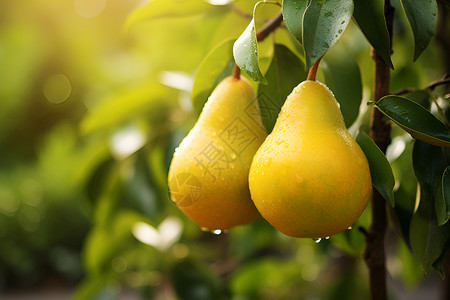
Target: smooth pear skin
point(208, 176)
point(310, 178)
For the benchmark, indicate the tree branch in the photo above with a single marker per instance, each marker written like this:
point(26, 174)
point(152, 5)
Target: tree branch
point(374, 254)
point(241, 13)
point(432, 85)
point(268, 27)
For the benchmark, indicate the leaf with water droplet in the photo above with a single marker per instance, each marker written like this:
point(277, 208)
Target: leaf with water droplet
point(422, 16)
point(245, 52)
point(322, 26)
point(293, 11)
point(415, 119)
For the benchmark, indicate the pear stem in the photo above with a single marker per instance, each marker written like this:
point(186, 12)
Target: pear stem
point(313, 70)
point(236, 72)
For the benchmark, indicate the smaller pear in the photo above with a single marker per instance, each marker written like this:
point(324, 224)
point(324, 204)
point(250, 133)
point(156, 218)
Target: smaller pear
point(310, 178)
point(208, 175)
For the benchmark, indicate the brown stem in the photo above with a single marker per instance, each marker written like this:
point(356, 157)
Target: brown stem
point(268, 27)
point(313, 71)
point(241, 13)
point(236, 72)
point(442, 34)
point(374, 254)
point(432, 85)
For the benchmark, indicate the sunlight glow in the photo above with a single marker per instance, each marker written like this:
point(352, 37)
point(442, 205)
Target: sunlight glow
point(127, 141)
point(176, 80)
point(168, 232)
point(57, 89)
point(89, 8)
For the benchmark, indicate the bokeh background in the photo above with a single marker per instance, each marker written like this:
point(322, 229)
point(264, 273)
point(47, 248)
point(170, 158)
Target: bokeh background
point(91, 111)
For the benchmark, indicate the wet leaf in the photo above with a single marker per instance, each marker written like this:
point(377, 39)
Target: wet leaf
point(323, 24)
point(293, 11)
point(415, 119)
point(245, 52)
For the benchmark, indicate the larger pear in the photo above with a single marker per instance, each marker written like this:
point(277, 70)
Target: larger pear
point(208, 176)
point(310, 178)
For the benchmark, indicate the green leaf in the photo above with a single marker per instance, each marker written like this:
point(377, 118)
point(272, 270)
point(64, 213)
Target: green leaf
point(123, 106)
point(245, 52)
point(415, 119)
point(438, 264)
point(285, 72)
point(421, 97)
point(194, 280)
point(343, 77)
point(217, 65)
point(99, 179)
point(422, 16)
point(442, 202)
point(369, 14)
point(405, 193)
point(323, 24)
point(293, 11)
point(428, 239)
point(166, 8)
point(380, 169)
point(106, 241)
point(90, 287)
point(138, 191)
point(352, 241)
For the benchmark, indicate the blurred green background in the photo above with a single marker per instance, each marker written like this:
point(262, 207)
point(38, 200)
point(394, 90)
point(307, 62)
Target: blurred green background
point(90, 114)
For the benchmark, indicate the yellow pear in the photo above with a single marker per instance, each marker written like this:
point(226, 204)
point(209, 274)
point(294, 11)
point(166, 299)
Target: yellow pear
point(208, 176)
point(310, 178)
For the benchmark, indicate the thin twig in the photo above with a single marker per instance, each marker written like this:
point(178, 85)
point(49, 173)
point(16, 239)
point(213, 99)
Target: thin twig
point(268, 27)
point(241, 13)
point(432, 85)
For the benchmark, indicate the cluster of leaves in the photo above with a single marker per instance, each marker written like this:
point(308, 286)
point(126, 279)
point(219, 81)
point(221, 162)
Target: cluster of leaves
point(67, 164)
